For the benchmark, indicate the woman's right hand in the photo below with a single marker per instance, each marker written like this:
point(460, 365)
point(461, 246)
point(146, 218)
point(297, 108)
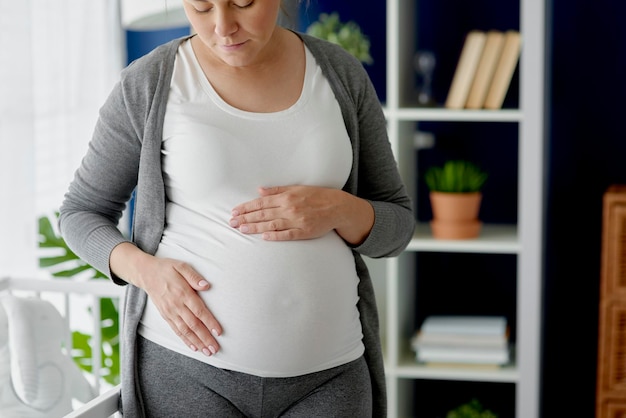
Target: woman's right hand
point(172, 285)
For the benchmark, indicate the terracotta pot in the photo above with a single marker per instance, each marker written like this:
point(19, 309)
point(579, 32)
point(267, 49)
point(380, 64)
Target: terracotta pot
point(455, 215)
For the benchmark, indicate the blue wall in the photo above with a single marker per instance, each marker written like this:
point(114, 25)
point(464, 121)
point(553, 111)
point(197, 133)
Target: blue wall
point(140, 42)
point(150, 31)
point(371, 19)
point(587, 153)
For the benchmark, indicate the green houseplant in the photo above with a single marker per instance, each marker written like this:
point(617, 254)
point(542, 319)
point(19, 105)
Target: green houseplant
point(346, 34)
point(455, 197)
point(66, 265)
point(471, 409)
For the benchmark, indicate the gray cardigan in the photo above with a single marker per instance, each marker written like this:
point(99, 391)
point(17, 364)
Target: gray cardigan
point(124, 155)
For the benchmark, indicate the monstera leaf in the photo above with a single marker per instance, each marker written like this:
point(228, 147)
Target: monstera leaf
point(82, 350)
point(62, 263)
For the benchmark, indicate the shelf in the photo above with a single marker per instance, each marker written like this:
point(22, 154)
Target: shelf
point(412, 370)
point(501, 239)
point(447, 115)
point(513, 139)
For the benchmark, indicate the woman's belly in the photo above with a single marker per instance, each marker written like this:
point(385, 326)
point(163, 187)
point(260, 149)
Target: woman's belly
point(286, 308)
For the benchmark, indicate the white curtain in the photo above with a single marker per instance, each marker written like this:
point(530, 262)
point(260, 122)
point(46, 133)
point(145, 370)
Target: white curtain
point(59, 60)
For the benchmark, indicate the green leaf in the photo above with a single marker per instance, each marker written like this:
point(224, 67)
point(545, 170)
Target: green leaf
point(348, 35)
point(471, 409)
point(109, 312)
point(53, 261)
point(72, 272)
point(456, 176)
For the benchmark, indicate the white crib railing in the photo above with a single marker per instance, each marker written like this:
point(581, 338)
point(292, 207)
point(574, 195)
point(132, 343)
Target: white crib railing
point(104, 405)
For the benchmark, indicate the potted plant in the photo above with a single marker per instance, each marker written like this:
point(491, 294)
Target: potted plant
point(471, 409)
point(346, 34)
point(455, 197)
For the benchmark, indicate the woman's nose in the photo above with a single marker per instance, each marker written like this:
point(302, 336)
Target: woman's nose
point(225, 23)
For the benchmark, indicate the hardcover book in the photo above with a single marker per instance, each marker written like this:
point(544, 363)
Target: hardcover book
point(504, 70)
point(465, 70)
point(485, 70)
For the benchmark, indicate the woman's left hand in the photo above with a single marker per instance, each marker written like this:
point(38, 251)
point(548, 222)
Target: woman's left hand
point(287, 213)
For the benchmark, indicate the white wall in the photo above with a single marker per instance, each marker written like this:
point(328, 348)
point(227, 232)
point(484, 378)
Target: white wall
point(132, 10)
point(136, 9)
point(66, 57)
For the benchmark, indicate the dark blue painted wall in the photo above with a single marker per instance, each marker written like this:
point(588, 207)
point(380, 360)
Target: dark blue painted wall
point(371, 18)
point(586, 152)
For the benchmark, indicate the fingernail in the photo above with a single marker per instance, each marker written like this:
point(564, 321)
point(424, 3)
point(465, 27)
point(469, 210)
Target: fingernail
point(207, 352)
point(235, 212)
point(244, 228)
point(234, 223)
point(212, 349)
point(203, 283)
point(215, 333)
point(193, 347)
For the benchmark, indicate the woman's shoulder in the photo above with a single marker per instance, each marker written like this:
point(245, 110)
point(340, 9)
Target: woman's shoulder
point(333, 52)
point(153, 64)
point(334, 58)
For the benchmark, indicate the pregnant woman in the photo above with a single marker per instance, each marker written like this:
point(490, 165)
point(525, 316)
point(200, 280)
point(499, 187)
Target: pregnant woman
point(262, 173)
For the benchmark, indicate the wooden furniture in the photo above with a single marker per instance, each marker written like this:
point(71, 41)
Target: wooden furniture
point(611, 381)
point(396, 278)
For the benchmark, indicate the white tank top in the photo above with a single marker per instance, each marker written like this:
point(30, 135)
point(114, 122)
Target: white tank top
point(286, 308)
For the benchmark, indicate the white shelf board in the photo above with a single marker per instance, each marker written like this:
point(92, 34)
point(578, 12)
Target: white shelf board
point(494, 238)
point(450, 115)
point(413, 370)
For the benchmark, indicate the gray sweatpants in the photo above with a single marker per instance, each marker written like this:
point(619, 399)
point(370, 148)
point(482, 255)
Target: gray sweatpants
point(174, 385)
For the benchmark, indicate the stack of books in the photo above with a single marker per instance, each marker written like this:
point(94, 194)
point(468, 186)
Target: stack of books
point(475, 340)
point(484, 70)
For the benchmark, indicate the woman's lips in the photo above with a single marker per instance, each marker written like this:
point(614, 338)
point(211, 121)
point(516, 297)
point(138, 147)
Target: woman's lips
point(232, 47)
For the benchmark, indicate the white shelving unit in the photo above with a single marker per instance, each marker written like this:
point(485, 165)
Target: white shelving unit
point(396, 293)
